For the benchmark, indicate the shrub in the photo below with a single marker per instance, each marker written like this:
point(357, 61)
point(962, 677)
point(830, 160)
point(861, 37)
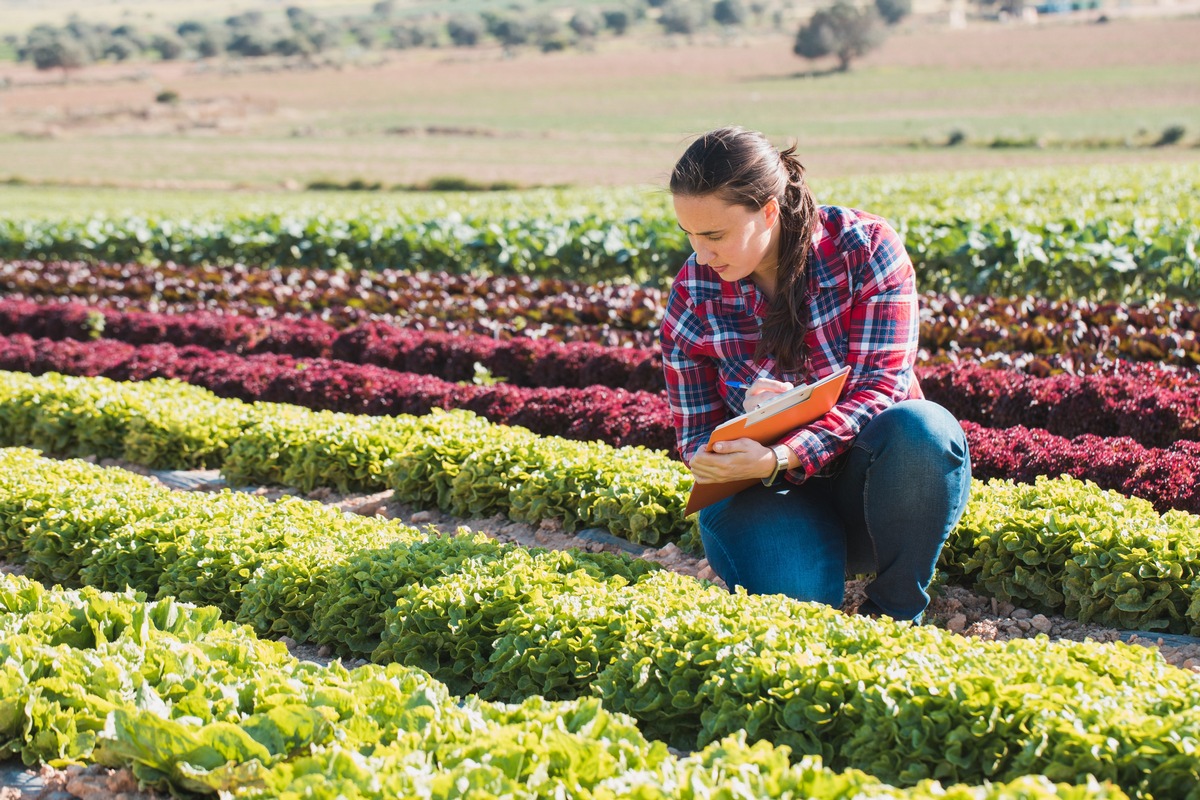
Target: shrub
point(1172, 134)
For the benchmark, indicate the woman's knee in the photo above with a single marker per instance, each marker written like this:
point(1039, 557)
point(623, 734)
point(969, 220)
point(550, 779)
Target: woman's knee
point(801, 555)
point(916, 429)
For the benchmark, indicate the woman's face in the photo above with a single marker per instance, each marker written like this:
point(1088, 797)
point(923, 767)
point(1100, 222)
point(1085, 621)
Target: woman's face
point(736, 241)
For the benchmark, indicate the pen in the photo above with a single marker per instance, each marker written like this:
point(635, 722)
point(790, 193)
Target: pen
point(737, 385)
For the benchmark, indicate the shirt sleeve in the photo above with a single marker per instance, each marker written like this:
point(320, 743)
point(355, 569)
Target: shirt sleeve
point(691, 377)
point(881, 351)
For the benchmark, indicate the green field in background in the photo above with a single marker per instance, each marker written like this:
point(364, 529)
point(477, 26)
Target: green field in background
point(1027, 194)
point(622, 114)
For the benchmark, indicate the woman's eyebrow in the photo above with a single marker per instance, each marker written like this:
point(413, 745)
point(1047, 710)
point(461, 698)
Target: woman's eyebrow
point(701, 233)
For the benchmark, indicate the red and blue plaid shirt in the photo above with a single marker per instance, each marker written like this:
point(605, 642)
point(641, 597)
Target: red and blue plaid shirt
point(863, 302)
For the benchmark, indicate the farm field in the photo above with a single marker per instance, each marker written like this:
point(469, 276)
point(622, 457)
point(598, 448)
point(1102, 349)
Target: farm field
point(507, 393)
point(374, 494)
point(1089, 93)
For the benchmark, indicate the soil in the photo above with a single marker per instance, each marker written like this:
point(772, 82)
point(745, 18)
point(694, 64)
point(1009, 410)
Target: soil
point(953, 608)
point(86, 783)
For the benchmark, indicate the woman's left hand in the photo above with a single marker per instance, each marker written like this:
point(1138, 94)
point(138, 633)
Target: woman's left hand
point(736, 460)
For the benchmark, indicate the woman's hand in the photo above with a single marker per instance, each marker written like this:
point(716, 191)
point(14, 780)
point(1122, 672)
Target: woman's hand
point(735, 460)
point(763, 390)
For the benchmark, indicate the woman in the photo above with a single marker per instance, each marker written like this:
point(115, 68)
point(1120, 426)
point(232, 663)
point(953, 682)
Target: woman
point(780, 290)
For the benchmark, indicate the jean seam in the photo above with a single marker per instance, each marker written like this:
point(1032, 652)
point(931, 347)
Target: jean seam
point(732, 567)
point(866, 516)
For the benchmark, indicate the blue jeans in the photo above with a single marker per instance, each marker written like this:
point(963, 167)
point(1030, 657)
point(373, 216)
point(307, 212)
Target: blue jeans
point(893, 500)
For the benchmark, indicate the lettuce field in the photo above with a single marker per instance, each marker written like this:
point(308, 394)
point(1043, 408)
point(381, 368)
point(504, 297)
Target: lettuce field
point(498, 356)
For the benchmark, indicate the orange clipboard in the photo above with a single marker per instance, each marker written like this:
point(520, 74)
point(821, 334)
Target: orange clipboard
point(767, 424)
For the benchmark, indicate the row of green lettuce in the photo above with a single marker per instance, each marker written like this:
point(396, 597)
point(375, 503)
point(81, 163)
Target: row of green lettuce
point(1058, 545)
point(196, 705)
point(1113, 233)
point(692, 663)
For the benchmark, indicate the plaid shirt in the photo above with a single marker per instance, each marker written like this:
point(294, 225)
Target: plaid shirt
point(863, 301)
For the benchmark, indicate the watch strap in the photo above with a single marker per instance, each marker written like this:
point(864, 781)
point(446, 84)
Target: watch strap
point(781, 463)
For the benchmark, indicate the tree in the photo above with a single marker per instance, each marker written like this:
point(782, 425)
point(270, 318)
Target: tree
point(840, 30)
point(168, 46)
point(59, 52)
point(121, 49)
point(125, 42)
point(682, 16)
point(210, 46)
point(247, 19)
point(301, 20)
point(292, 44)
point(91, 38)
point(617, 20)
point(586, 23)
point(405, 35)
point(730, 12)
point(136, 39)
point(510, 30)
point(465, 30)
point(250, 44)
point(548, 32)
point(893, 11)
point(191, 27)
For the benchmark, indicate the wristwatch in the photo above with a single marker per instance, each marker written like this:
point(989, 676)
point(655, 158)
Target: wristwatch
point(781, 463)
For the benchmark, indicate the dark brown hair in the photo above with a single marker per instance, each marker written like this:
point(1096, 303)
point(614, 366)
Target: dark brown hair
point(742, 167)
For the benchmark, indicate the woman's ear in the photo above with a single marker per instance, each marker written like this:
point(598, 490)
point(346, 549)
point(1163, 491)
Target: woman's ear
point(770, 211)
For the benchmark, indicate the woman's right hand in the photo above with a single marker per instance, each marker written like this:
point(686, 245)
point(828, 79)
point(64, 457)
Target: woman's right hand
point(763, 390)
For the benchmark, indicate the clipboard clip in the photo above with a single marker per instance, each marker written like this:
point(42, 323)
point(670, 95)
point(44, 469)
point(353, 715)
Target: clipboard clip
point(771, 407)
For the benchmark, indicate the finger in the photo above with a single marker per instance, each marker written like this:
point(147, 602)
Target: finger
point(735, 446)
point(764, 388)
point(768, 383)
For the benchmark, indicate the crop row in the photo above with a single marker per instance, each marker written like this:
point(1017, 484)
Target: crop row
point(614, 416)
point(521, 361)
point(456, 460)
point(1096, 252)
point(501, 307)
point(1152, 405)
point(1169, 477)
point(613, 314)
point(196, 705)
point(691, 662)
point(461, 464)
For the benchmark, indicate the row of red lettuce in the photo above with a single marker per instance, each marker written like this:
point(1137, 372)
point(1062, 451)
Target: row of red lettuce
point(604, 313)
point(1153, 405)
point(1169, 476)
